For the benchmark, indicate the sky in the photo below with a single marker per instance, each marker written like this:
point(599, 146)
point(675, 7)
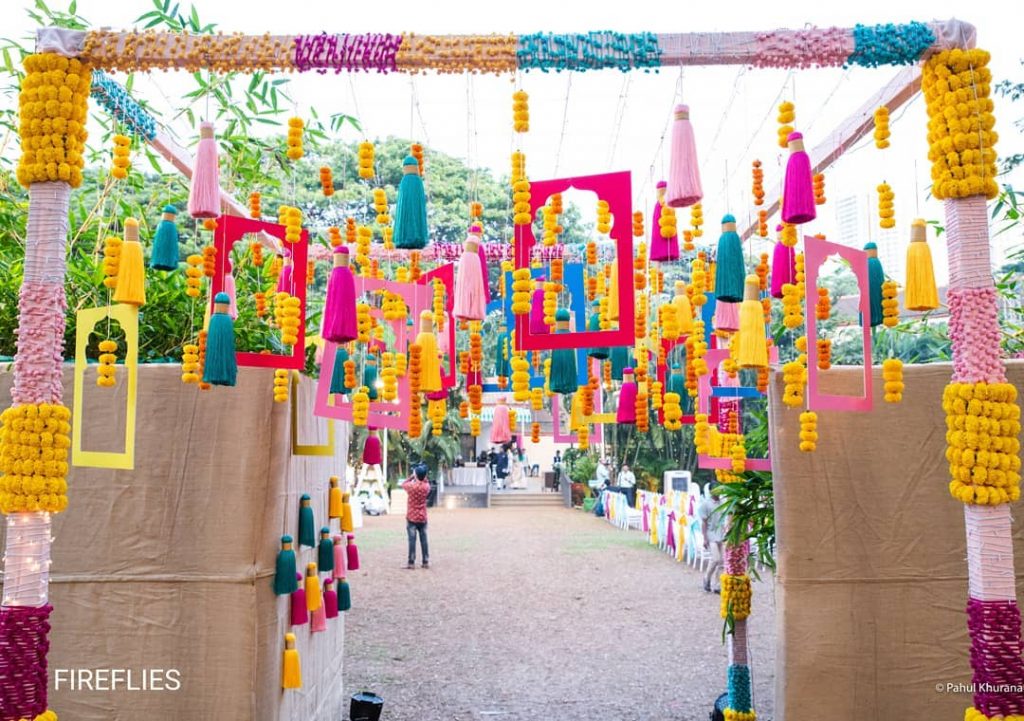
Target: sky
point(584, 123)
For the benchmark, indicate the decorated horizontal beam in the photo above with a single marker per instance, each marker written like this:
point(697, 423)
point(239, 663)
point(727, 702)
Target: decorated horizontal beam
point(864, 45)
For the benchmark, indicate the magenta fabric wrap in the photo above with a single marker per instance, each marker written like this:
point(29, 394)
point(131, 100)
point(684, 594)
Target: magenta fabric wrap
point(24, 643)
point(994, 627)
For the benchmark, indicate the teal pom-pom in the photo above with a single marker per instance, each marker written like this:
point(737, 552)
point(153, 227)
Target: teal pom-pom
point(410, 160)
point(561, 314)
point(221, 366)
point(876, 276)
point(728, 218)
point(620, 360)
point(564, 377)
point(411, 212)
point(338, 372)
point(594, 324)
point(165, 244)
point(370, 379)
point(729, 268)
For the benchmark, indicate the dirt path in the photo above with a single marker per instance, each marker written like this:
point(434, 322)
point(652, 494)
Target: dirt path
point(543, 616)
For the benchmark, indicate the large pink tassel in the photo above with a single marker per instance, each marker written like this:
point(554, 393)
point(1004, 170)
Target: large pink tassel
point(319, 619)
point(353, 553)
point(372, 455)
point(683, 174)
point(662, 249)
point(284, 278)
point(204, 193)
point(626, 412)
point(783, 268)
point(537, 324)
point(340, 305)
point(470, 298)
point(479, 233)
point(339, 557)
point(727, 316)
point(229, 288)
point(300, 614)
point(798, 192)
point(501, 432)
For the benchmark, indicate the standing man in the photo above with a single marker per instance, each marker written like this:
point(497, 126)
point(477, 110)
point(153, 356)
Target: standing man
point(417, 488)
point(627, 482)
point(603, 476)
point(712, 527)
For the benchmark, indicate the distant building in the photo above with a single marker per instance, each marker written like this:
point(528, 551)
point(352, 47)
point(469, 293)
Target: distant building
point(858, 223)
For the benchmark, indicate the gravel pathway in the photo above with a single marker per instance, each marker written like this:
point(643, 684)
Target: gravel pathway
point(550, 615)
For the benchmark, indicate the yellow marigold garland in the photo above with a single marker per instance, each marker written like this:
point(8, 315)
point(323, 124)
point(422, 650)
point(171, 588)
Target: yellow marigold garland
point(34, 445)
point(886, 215)
point(983, 422)
point(787, 114)
point(121, 160)
point(366, 154)
point(735, 596)
point(808, 431)
point(520, 111)
point(882, 127)
point(280, 385)
point(697, 219)
point(111, 260)
point(890, 305)
point(295, 127)
point(892, 375)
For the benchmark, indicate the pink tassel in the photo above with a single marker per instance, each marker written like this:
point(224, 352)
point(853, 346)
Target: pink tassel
point(662, 248)
point(626, 412)
point(339, 557)
point(783, 268)
point(229, 288)
point(372, 455)
point(476, 230)
point(320, 618)
point(798, 192)
point(300, 614)
point(330, 599)
point(727, 316)
point(340, 305)
point(537, 324)
point(284, 278)
point(501, 432)
point(470, 298)
point(353, 553)
point(683, 173)
point(204, 193)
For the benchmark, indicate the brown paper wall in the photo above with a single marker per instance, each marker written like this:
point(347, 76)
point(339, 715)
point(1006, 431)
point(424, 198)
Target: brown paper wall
point(872, 572)
point(170, 566)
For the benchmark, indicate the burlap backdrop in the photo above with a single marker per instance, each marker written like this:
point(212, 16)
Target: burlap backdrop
point(169, 566)
point(872, 577)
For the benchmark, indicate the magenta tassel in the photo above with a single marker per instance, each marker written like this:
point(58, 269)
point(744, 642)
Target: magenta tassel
point(470, 299)
point(683, 173)
point(626, 412)
point(662, 248)
point(483, 273)
point(284, 278)
point(353, 553)
point(340, 305)
point(339, 557)
point(204, 193)
point(537, 324)
point(372, 455)
point(330, 599)
point(229, 288)
point(300, 614)
point(783, 268)
point(727, 315)
point(798, 192)
point(320, 619)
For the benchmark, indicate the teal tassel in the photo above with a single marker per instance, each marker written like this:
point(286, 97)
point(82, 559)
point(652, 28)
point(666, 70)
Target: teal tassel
point(876, 276)
point(411, 211)
point(307, 529)
point(620, 360)
point(344, 595)
point(284, 575)
point(165, 243)
point(221, 367)
point(501, 364)
point(563, 361)
point(338, 372)
point(370, 378)
point(325, 552)
point(595, 324)
point(729, 270)
point(677, 382)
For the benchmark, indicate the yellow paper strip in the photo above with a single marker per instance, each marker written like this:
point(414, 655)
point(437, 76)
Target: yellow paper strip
point(299, 449)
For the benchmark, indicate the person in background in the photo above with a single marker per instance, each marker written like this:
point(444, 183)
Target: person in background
point(627, 482)
point(556, 466)
point(712, 528)
point(602, 474)
point(417, 488)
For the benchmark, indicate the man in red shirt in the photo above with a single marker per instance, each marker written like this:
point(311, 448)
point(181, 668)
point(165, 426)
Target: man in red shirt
point(417, 488)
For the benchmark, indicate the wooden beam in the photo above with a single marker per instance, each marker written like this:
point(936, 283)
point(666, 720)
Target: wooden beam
point(897, 92)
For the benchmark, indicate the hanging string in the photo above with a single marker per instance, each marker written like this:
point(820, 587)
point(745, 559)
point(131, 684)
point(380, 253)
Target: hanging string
point(620, 114)
point(723, 119)
point(565, 123)
point(771, 109)
point(917, 195)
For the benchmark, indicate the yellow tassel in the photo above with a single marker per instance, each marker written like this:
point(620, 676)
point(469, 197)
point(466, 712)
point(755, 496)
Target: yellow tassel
point(921, 293)
point(613, 296)
point(335, 505)
point(346, 514)
point(313, 597)
point(131, 271)
point(753, 345)
point(684, 309)
point(291, 674)
point(430, 378)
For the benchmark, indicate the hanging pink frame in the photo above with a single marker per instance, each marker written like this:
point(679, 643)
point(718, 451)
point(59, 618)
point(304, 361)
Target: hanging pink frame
point(596, 429)
point(446, 273)
point(714, 357)
point(231, 229)
point(383, 414)
point(614, 188)
point(816, 251)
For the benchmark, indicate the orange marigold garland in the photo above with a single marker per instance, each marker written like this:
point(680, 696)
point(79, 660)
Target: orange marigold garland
point(757, 184)
point(326, 181)
point(281, 386)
